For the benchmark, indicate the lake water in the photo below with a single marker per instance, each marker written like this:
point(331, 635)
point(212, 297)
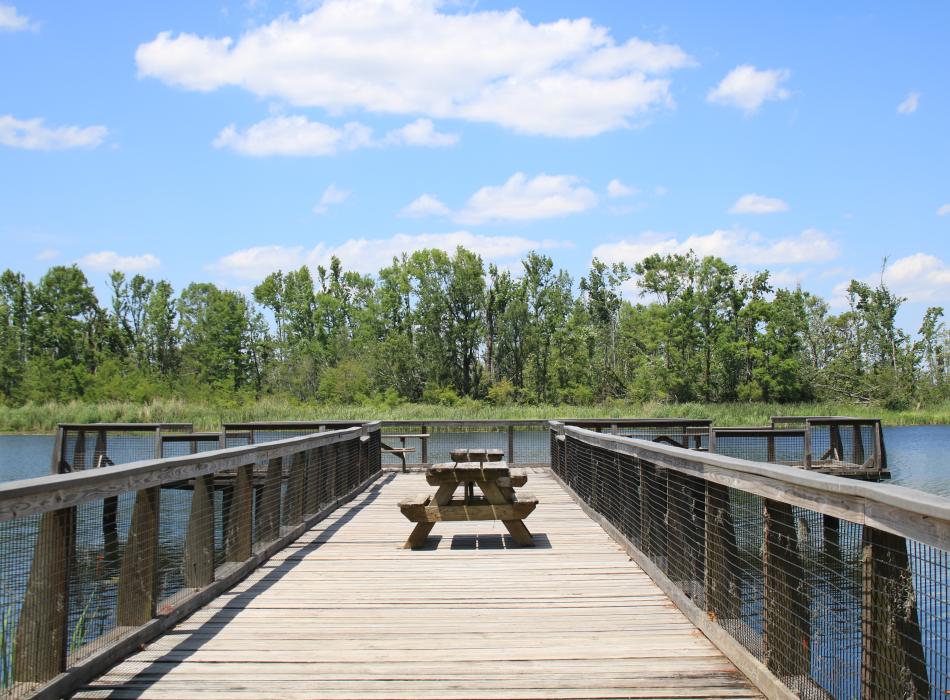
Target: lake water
point(918, 456)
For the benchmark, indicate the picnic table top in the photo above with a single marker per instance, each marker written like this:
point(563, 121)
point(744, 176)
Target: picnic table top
point(474, 470)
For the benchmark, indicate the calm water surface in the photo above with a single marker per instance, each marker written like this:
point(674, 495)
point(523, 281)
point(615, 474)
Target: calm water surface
point(919, 456)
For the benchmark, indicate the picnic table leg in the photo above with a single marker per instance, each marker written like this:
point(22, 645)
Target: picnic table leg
point(417, 537)
point(493, 494)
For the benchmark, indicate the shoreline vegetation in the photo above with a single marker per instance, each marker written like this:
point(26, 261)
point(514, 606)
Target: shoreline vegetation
point(34, 418)
point(438, 335)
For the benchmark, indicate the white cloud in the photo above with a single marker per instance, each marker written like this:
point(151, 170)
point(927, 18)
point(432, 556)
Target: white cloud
point(521, 199)
point(425, 205)
point(565, 78)
point(919, 277)
point(616, 189)
point(296, 135)
point(747, 88)
point(758, 204)
point(909, 105)
point(31, 134)
point(109, 260)
point(944, 210)
point(11, 21)
point(293, 136)
point(369, 255)
point(421, 132)
point(741, 247)
point(331, 195)
point(47, 254)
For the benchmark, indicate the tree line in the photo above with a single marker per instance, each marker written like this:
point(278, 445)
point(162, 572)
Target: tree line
point(444, 328)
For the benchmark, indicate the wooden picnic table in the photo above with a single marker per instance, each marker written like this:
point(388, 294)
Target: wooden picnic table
point(402, 450)
point(498, 500)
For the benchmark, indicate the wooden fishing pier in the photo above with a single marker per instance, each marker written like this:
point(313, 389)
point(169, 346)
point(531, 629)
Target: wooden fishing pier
point(268, 562)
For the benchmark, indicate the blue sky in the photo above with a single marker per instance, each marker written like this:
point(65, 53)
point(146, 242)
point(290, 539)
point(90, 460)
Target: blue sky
point(218, 141)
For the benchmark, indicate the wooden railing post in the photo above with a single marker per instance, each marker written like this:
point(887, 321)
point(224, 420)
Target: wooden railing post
point(787, 622)
point(296, 485)
point(42, 636)
point(807, 457)
point(511, 444)
point(110, 506)
point(138, 575)
point(268, 527)
point(199, 539)
point(770, 448)
point(424, 454)
point(722, 554)
point(240, 516)
point(311, 502)
point(858, 444)
point(892, 653)
point(834, 442)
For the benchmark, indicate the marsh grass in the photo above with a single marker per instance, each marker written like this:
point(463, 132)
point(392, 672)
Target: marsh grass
point(42, 418)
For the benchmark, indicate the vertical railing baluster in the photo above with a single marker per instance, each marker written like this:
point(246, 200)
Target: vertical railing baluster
point(138, 574)
point(892, 653)
point(199, 538)
point(722, 554)
point(268, 526)
point(240, 516)
point(786, 617)
point(42, 637)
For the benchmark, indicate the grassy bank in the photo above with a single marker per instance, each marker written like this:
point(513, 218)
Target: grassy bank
point(42, 418)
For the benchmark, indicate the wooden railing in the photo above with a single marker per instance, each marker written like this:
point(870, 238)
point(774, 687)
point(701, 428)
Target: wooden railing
point(816, 586)
point(102, 560)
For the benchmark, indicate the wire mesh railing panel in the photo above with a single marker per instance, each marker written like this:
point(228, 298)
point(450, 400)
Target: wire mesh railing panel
point(833, 608)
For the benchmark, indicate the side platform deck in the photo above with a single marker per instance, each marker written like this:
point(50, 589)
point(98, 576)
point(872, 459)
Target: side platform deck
point(345, 612)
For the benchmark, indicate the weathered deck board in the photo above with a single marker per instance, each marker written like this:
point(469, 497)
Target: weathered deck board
point(347, 613)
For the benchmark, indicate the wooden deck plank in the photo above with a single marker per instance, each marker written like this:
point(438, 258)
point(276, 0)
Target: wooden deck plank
point(345, 612)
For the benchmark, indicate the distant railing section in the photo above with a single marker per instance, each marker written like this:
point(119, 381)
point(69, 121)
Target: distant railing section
point(98, 561)
point(524, 442)
point(815, 586)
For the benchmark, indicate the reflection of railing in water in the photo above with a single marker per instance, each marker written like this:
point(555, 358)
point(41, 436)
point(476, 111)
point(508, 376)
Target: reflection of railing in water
point(829, 587)
point(99, 561)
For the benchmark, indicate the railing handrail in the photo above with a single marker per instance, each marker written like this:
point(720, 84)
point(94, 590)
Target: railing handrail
point(896, 509)
point(47, 493)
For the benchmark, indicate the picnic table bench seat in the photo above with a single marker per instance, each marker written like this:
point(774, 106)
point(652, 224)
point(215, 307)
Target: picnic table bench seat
point(422, 509)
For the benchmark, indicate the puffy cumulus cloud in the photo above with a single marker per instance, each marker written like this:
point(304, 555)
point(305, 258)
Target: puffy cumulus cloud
point(331, 196)
point(521, 199)
point(910, 104)
point(294, 136)
point(259, 261)
point(369, 255)
point(33, 134)
point(944, 210)
point(421, 132)
point(567, 78)
point(618, 190)
point(919, 277)
point(12, 21)
point(747, 88)
point(741, 247)
point(425, 205)
point(758, 204)
point(108, 260)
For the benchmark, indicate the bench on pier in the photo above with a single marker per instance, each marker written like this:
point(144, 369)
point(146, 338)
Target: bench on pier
point(497, 502)
point(402, 450)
